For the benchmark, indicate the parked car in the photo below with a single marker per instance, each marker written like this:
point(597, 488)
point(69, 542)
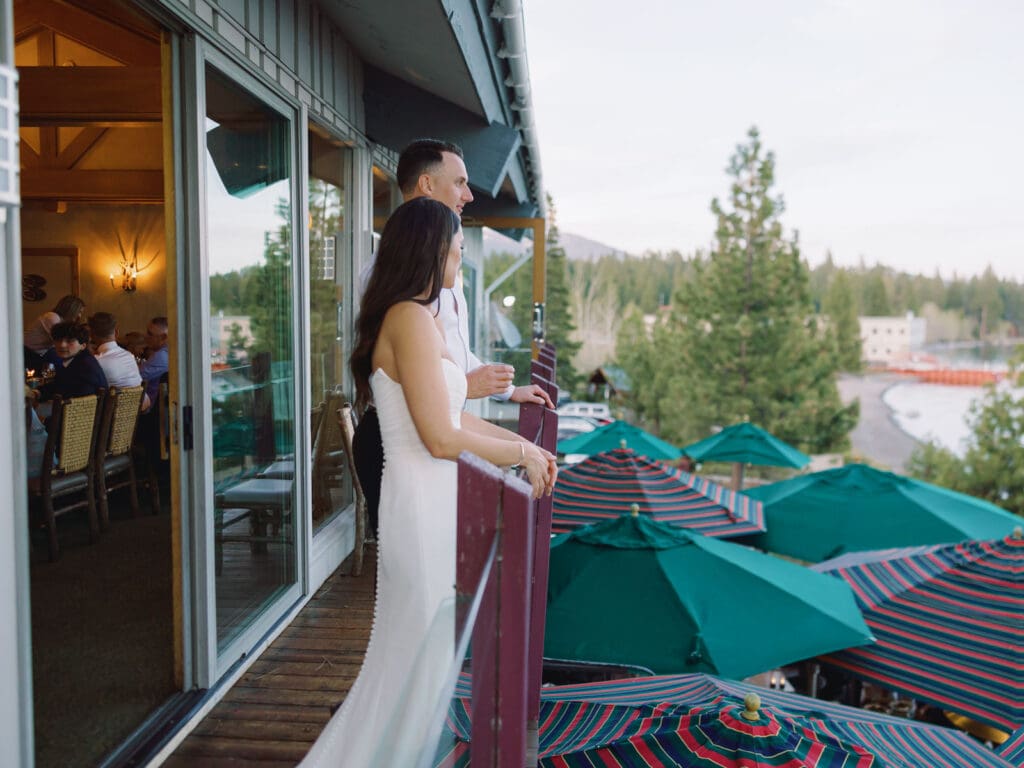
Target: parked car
point(599, 411)
point(570, 426)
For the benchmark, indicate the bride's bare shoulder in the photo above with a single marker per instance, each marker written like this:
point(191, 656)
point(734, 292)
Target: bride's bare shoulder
point(409, 318)
point(408, 309)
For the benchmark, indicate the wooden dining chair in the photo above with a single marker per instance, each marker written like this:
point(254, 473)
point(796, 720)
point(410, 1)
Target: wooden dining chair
point(348, 430)
point(67, 468)
point(328, 457)
point(113, 454)
point(154, 444)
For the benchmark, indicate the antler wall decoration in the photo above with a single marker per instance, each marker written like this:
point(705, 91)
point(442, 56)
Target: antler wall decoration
point(127, 273)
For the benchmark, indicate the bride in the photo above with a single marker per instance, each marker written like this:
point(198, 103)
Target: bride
point(400, 362)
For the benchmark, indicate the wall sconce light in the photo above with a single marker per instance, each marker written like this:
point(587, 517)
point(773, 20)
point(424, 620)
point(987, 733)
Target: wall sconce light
point(125, 276)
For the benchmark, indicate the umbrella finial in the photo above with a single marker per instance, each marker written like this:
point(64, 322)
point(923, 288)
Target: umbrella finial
point(751, 703)
point(1018, 532)
point(634, 509)
point(622, 444)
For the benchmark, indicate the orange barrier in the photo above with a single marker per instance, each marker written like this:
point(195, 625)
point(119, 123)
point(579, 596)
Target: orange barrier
point(965, 377)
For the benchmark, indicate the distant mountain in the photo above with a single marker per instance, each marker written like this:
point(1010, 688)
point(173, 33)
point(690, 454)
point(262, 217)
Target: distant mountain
point(577, 247)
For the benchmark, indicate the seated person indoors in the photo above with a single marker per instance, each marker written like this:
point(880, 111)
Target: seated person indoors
point(155, 364)
point(134, 342)
point(78, 373)
point(118, 364)
point(38, 334)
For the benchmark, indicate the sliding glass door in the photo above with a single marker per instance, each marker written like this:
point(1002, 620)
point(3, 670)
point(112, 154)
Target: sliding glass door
point(253, 470)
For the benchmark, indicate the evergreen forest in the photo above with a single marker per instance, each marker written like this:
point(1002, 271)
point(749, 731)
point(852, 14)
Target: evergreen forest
point(746, 329)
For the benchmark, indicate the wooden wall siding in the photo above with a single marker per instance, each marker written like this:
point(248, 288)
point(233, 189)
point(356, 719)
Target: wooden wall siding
point(276, 710)
point(294, 45)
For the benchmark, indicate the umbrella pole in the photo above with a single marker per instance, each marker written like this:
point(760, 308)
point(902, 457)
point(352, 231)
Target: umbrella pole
point(737, 476)
point(810, 675)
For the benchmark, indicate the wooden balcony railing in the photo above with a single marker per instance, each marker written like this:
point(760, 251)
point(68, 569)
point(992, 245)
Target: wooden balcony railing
point(506, 535)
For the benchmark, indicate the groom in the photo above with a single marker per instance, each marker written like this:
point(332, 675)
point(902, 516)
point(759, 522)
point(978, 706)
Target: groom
point(436, 169)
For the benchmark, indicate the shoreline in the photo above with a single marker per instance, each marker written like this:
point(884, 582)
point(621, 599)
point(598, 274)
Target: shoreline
point(878, 436)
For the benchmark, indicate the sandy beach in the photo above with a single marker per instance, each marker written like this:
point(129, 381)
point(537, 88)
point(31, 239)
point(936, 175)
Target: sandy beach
point(877, 436)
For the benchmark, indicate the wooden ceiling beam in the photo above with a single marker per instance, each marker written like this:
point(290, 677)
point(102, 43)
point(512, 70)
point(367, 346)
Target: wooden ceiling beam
point(29, 157)
point(93, 186)
point(88, 29)
point(79, 147)
point(96, 96)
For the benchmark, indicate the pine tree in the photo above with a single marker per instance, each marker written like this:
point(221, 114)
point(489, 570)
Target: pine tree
point(744, 329)
point(841, 309)
point(650, 371)
point(558, 323)
point(993, 466)
point(268, 302)
point(876, 296)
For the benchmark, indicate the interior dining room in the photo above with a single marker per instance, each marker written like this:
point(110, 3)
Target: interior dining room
point(93, 154)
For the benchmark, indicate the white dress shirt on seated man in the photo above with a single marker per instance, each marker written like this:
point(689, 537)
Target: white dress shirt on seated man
point(118, 365)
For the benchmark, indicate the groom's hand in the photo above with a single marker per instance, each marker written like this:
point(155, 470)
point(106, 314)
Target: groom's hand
point(487, 380)
point(531, 393)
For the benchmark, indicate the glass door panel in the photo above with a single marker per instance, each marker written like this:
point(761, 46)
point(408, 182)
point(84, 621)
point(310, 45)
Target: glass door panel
point(252, 395)
point(332, 486)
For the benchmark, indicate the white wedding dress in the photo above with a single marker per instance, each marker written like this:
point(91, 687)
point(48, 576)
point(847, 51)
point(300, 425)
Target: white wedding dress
point(386, 718)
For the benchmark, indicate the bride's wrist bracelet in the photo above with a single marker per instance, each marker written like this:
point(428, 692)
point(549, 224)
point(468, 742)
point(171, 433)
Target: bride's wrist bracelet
point(522, 455)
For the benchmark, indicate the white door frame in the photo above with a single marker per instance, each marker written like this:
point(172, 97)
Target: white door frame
point(209, 665)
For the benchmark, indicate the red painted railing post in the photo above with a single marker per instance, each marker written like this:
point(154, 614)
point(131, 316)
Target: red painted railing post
point(514, 576)
point(531, 421)
point(480, 485)
point(538, 598)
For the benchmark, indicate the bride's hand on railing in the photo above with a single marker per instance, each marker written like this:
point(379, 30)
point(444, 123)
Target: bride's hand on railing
point(552, 473)
point(541, 469)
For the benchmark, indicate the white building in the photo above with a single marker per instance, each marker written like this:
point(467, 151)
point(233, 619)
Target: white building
point(888, 340)
point(221, 328)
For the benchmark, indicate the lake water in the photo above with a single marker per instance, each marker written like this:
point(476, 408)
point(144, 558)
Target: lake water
point(934, 412)
point(939, 412)
point(960, 354)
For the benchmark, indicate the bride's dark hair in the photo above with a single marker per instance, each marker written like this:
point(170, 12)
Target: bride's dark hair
point(410, 259)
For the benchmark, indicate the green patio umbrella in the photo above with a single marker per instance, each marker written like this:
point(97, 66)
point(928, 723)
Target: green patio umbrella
point(746, 443)
point(620, 434)
point(853, 508)
point(636, 591)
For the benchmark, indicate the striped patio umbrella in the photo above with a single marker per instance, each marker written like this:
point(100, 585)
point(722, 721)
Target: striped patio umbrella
point(664, 719)
point(949, 625)
point(1012, 750)
point(635, 591)
point(606, 485)
point(856, 508)
point(620, 434)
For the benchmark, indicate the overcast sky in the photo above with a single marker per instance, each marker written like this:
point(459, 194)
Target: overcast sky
point(897, 125)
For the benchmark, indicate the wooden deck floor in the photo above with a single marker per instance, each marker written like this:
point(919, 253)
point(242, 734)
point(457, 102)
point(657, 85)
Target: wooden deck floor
point(273, 714)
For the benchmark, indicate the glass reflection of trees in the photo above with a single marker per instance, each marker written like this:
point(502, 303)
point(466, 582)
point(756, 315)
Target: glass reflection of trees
point(326, 216)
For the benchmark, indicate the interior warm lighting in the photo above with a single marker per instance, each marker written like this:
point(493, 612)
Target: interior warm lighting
point(127, 280)
point(126, 274)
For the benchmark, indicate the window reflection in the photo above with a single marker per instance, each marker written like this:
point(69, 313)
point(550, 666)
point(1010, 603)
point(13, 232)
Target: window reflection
point(332, 487)
point(249, 251)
